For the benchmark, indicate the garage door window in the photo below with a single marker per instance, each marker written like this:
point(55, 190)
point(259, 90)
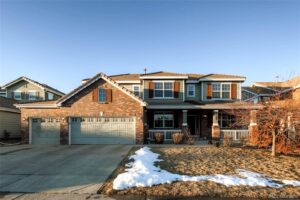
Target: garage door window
point(102, 95)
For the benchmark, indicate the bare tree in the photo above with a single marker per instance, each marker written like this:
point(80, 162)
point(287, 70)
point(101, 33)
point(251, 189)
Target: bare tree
point(278, 120)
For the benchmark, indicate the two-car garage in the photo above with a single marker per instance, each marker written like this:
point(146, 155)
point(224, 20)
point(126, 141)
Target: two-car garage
point(99, 111)
point(84, 130)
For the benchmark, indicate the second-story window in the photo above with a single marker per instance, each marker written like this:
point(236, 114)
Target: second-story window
point(225, 91)
point(32, 95)
point(216, 89)
point(163, 89)
point(17, 95)
point(191, 90)
point(221, 90)
point(136, 90)
point(102, 95)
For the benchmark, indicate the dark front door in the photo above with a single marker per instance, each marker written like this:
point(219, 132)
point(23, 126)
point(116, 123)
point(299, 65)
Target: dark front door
point(194, 124)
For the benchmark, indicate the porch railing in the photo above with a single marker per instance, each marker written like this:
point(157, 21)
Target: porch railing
point(167, 133)
point(234, 134)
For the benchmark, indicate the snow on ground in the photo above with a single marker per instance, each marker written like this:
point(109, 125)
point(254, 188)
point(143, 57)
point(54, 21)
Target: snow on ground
point(142, 173)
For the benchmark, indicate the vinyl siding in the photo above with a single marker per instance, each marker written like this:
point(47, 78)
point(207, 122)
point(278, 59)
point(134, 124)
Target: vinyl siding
point(150, 100)
point(10, 122)
point(197, 92)
point(24, 86)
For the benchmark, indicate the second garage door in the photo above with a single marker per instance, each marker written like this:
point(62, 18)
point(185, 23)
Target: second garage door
point(102, 130)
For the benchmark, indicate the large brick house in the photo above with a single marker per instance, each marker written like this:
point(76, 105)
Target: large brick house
point(130, 108)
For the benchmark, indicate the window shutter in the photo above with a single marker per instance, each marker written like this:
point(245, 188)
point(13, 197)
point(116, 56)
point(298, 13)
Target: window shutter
point(108, 95)
point(234, 91)
point(12, 95)
point(37, 95)
point(209, 91)
point(95, 94)
point(176, 89)
point(151, 88)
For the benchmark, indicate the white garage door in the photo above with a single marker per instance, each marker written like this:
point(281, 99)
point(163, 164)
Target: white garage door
point(103, 130)
point(45, 131)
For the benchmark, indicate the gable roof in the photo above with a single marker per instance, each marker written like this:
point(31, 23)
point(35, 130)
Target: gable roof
point(41, 85)
point(94, 79)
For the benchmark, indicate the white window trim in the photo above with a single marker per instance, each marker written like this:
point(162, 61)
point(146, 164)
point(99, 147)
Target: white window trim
point(194, 90)
point(138, 87)
point(163, 89)
point(34, 91)
point(15, 95)
point(163, 120)
point(221, 92)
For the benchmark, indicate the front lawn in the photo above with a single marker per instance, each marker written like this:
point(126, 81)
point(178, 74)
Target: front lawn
point(198, 161)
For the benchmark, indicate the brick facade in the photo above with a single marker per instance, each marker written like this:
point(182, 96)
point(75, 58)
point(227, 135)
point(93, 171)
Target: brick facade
point(82, 105)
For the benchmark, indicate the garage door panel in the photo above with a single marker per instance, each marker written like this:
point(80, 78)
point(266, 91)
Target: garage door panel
point(45, 131)
point(103, 130)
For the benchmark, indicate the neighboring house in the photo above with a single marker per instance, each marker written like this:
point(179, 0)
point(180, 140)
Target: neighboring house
point(130, 108)
point(265, 91)
point(24, 89)
point(2, 92)
point(257, 94)
point(9, 119)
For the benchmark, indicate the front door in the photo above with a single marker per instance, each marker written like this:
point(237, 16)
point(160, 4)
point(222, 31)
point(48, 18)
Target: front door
point(194, 124)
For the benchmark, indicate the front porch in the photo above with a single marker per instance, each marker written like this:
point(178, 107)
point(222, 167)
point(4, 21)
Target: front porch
point(203, 125)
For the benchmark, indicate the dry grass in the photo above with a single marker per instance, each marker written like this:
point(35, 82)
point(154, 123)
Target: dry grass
point(212, 160)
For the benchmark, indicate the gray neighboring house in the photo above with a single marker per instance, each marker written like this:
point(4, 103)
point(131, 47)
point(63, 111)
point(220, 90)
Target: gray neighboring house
point(257, 94)
point(24, 89)
point(10, 119)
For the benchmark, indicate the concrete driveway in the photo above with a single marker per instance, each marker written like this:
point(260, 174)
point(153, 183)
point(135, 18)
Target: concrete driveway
point(57, 169)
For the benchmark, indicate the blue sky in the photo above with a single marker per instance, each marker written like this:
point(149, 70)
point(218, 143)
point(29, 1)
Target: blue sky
point(61, 42)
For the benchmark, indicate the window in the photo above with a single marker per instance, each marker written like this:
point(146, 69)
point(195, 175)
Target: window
point(17, 95)
point(50, 96)
point(216, 90)
point(32, 95)
point(225, 91)
point(191, 90)
point(225, 120)
point(101, 95)
point(163, 120)
point(221, 90)
point(163, 89)
point(136, 90)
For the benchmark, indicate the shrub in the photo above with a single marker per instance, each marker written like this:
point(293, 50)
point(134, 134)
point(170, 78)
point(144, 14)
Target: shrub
point(159, 138)
point(227, 141)
point(177, 138)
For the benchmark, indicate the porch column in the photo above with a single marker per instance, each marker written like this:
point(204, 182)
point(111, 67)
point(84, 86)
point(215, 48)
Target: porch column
point(184, 118)
point(215, 129)
point(253, 130)
point(290, 127)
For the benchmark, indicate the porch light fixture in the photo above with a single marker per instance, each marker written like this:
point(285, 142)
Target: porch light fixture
point(101, 113)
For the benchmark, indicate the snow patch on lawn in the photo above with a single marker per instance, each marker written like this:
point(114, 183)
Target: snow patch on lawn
point(142, 173)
